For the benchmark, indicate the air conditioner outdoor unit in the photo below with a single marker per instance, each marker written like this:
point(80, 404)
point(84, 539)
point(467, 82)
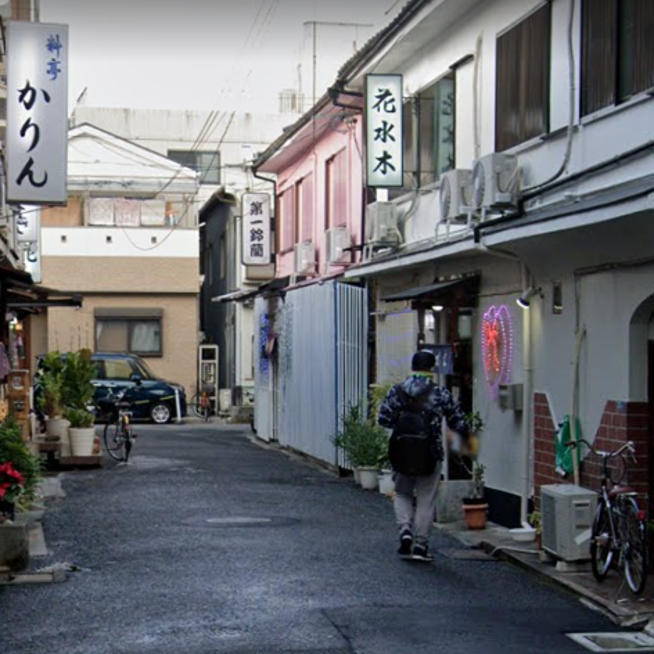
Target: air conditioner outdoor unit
point(338, 239)
point(567, 516)
point(455, 193)
point(305, 257)
point(381, 223)
point(495, 182)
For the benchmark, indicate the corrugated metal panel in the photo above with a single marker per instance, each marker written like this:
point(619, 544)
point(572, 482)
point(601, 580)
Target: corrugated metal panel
point(351, 352)
point(306, 371)
point(263, 405)
point(322, 364)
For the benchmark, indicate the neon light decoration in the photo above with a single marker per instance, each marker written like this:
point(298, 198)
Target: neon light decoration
point(497, 347)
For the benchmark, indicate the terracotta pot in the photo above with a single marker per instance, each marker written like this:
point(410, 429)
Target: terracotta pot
point(475, 515)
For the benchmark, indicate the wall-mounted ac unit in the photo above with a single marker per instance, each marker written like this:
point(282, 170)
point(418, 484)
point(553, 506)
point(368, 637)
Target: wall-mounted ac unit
point(305, 258)
point(455, 193)
point(381, 223)
point(495, 181)
point(337, 240)
point(567, 516)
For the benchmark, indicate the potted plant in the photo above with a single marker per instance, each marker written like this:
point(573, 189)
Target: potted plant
point(476, 425)
point(475, 505)
point(49, 381)
point(535, 520)
point(364, 443)
point(77, 394)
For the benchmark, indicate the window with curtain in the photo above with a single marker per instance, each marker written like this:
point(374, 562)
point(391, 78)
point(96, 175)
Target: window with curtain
point(287, 220)
point(523, 80)
point(134, 335)
point(617, 51)
point(336, 191)
point(305, 205)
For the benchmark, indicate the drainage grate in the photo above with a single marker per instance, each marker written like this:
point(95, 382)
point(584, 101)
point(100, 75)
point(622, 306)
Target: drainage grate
point(469, 554)
point(615, 642)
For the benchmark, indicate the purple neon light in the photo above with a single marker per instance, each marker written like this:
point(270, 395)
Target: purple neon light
point(497, 338)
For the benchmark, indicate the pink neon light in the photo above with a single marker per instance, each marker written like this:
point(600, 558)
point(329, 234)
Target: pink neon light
point(497, 347)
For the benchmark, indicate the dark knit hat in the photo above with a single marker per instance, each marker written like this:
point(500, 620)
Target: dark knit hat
point(423, 361)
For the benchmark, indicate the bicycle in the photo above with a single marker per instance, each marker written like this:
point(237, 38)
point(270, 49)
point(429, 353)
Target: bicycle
point(201, 406)
point(118, 434)
point(619, 528)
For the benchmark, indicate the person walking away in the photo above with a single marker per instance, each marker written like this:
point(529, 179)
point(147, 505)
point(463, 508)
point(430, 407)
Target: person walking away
point(414, 411)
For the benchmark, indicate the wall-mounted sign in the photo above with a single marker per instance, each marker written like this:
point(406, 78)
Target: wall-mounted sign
point(25, 237)
point(497, 347)
point(255, 210)
point(384, 130)
point(444, 360)
point(37, 112)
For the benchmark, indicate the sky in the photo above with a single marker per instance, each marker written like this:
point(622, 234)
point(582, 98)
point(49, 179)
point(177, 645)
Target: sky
point(194, 54)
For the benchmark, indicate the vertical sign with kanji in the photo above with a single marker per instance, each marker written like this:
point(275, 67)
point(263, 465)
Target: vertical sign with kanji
point(27, 234)
point(37, 112)
point(384, 130)
point(256, 229)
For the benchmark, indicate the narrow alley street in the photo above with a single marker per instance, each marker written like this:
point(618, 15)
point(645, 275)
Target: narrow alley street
point(209, 543)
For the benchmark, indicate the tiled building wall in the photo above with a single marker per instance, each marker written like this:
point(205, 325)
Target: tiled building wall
point(621, 421)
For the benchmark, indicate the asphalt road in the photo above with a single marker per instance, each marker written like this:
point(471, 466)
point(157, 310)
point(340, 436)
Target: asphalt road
point(210, 543)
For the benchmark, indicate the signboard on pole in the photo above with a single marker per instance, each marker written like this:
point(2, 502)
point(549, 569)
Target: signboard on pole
point(37, 112)
point(256, 239)
point(384, 131)
point(26, 230)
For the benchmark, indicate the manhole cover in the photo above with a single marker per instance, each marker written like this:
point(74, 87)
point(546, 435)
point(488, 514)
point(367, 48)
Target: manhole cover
point(466, 554)
point(615, 642)
point(238, 520)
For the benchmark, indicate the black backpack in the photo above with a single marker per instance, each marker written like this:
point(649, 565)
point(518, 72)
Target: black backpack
point(410, 446)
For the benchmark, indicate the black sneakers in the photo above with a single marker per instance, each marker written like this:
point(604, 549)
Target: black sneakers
point(421, 553)
point(406, 544)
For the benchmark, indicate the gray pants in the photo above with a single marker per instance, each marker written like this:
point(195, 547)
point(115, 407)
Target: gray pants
point(418, 516)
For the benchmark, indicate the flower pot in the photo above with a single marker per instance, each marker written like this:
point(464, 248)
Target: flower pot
point(386, 483)
point(57, 428)
point(368, 477)
point(82, 441)
point(475, 515)
point(14, 546)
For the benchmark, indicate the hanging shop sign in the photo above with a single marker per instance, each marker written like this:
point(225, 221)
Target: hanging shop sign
point(384, 130)
point(255, 210)
point(497, 347)
point(25, 237)
point(37, 112)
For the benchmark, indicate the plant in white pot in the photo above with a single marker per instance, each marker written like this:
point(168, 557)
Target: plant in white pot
point(77, 393)
point(49, 382)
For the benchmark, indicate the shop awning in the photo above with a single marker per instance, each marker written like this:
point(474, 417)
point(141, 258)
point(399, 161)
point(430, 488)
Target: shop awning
point(444, 292)
point(244, 295)
point(23, 295)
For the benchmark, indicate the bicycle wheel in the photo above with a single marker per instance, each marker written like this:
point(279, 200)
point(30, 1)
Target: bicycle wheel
point(634, 546)
point(114, 440)
point(601, 543)
point(200, 410)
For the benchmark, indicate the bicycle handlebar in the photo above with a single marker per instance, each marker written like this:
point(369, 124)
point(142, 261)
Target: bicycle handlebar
point(628, 445)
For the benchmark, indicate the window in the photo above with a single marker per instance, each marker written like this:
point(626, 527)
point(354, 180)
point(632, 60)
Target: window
point(305, 207)
point(207, 164)
point(128, 330)
point(436, 135)
point(336, 179)
point(617, 54)
point(287, 220)
point(523, 80)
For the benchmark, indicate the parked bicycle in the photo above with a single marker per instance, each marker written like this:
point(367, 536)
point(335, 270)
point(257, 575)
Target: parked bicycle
point(118, 434)
point(202, 406)
point(619, 529)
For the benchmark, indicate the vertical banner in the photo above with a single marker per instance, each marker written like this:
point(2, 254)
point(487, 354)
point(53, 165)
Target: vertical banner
point(255, 210)
point(384, 130)
point(26, 229)
point(37, 112)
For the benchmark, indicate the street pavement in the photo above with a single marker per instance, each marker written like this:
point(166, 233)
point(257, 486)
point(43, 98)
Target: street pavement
point(211, 542)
